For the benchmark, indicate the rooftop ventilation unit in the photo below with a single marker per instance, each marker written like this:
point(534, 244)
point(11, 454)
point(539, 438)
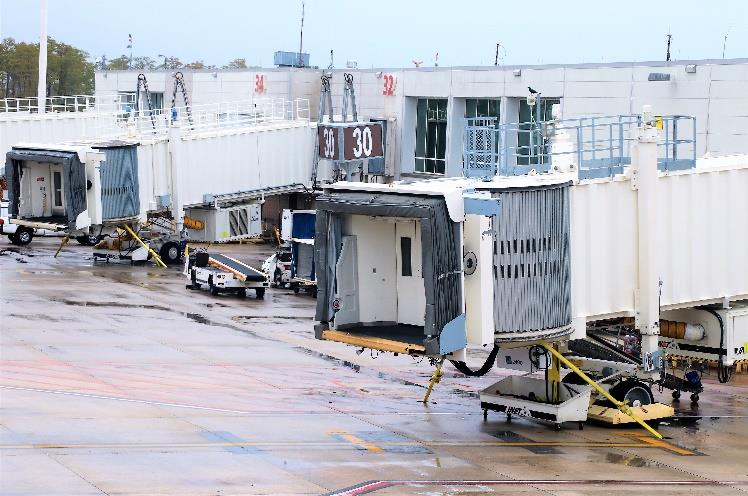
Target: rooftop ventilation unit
point(291, 59)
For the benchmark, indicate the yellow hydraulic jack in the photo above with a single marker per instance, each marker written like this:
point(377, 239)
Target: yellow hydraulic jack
point(435, 378)
point(622, 406)
point(158, 260)
point(62, 243)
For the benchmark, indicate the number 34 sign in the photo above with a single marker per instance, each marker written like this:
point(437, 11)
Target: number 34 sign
point(359, 141)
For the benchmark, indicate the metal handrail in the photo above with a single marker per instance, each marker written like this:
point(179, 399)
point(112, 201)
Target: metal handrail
point(214, 116)
point(61, 104)
point(597, 146)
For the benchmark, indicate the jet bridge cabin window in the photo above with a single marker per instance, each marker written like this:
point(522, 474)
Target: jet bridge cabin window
point(406, 269)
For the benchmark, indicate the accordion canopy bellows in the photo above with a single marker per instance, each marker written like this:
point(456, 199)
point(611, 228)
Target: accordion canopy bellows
point(532, 290)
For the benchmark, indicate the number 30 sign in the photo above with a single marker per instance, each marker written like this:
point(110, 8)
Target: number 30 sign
point(359, 141)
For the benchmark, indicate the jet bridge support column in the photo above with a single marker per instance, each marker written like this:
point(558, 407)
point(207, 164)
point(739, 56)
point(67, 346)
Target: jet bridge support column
point(644, 181)
point(175, 141)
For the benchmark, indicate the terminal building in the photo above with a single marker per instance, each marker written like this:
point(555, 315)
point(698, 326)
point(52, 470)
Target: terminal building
point(426, 108)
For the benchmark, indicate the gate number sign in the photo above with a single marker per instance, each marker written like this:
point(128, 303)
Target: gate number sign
point(328, 142)
point(359, 142)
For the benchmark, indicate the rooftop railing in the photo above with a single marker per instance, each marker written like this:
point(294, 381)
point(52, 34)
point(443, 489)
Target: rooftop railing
point(200, 118)
point(62, 104)
point(595, 146)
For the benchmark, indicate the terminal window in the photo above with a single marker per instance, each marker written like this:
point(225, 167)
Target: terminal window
point(431, 135)
point(482, 107)
point(532, 146)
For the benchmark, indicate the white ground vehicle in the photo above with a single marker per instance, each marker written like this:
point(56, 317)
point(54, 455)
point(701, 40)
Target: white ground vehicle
point(280, 265)
point(19, 235)
point(221, 273)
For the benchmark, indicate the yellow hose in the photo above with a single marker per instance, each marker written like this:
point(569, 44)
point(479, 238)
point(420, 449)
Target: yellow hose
point(158, 260)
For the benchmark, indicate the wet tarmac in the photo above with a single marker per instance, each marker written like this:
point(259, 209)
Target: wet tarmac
point(115, 379)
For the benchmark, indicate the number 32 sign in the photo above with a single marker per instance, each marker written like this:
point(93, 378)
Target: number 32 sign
point(389, 85)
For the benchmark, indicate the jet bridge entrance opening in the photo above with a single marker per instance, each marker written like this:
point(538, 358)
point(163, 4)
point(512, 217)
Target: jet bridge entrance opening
point(389, 269)
point(46, 186)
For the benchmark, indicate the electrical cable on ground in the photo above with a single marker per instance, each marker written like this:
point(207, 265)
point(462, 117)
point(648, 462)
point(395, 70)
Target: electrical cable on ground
point(488, 365)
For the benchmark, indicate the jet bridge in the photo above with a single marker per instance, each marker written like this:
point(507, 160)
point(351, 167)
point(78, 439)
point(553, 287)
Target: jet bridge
point(595, 230)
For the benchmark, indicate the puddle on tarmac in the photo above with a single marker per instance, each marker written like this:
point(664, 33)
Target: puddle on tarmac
point(246, 318)
point(628, 460)
point(200, 319)
point(115, 304)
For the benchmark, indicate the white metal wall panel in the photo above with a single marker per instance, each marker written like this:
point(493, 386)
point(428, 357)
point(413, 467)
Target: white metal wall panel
point(245, 160)
point(703, 236)
point(53, 128)
point(603, 247)
point(154, 175)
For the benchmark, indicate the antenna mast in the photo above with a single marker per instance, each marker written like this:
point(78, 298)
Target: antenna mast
point(724, 45)
point(667, 55)
point(301, 37)
point(496, 58)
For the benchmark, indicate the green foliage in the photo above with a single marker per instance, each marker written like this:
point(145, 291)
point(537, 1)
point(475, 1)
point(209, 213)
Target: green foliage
point(68, 70)
point(199, 64)
point(120, 63)
point(236, 64)
point(143, 63)
point(171, 63)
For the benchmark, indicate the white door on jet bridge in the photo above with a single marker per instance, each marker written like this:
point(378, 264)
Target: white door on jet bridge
point(411, 293)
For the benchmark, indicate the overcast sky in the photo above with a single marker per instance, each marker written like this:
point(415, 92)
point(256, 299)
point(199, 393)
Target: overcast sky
point(391, 33)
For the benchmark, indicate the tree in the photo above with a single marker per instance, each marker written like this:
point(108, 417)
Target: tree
point(171, 63)
point(236, 64)
point(143, 63)
point(121, 63)
point(198, 64)
point(69, 71)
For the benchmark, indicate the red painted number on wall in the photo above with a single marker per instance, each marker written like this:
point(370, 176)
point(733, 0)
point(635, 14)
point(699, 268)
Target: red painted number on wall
point(259, 83)
point(389, 85)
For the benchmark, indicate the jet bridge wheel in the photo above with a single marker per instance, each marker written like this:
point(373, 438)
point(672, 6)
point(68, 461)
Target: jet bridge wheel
point(632, 390)
point(170, 253)
point(88, 239)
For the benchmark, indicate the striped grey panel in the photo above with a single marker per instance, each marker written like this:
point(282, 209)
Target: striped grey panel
point(120, 196)
point(532, 289)
point(238, 225)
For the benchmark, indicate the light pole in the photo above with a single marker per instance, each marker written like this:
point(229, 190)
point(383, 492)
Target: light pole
point(41, 91)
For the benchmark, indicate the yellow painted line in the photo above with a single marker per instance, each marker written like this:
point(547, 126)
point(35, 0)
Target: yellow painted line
point(357, 441)
point(657, 443)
